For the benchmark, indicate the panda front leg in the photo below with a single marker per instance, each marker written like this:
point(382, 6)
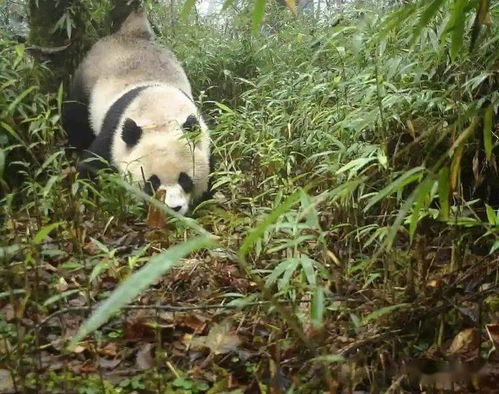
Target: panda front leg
point(76, 124)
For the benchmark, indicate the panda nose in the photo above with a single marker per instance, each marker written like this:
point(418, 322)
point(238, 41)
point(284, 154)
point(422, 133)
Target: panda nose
point(177, 208)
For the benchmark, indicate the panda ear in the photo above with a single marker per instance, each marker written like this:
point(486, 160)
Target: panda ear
point(131, 133)
point(190, 123)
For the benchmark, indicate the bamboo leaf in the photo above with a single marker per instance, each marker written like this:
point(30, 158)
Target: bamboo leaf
point(318, 307)
point(136, 283)
point(258, 13)
point(443, 192)
point(455, 167)
point(187, 9)
point(428, 13)
point(44, 232)
point(10, 109)
point(227, 4)
point(464, 135)
point(491, 215)
point(487, 132)
point(381, 312)
point(308, 268)
point(259, 230)
point(421, 193)
point(457, 33)
point(286, 265)
point(406, 178)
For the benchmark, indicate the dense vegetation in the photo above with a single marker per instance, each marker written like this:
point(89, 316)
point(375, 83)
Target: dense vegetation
point(352, 242)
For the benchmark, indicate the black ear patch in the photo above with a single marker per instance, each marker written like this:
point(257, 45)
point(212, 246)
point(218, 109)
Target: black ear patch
point(191, 123)
point(186, 182)
point(131, 133)
point(152, 184)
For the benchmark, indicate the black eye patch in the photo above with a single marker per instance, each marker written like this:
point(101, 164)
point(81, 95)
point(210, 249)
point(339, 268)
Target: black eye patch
point(186, 182)
point(152, 185)
point(191, 123)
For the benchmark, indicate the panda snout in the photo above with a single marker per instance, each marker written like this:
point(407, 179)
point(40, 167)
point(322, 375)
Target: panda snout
point(177, 208)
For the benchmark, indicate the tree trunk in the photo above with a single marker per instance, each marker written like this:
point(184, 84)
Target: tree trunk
point(56, 36)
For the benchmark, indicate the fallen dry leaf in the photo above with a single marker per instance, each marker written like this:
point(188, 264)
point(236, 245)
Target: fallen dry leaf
point(219, 340)
point(155, 217)
point(465, 344)
point(493, 333)
point(144, 358)
point(62, 285)
point(109, 350)
point(6, 383)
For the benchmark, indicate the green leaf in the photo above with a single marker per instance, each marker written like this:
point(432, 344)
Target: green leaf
point(187, 8)
point(139, 281)
point(406, 178)
point(491, 215)
point(57, 297)
point(381, 312)
point(7, 251)
point(426, 16)
point(258, 13)
point(44, 232)
point(494, 247)
point(421, 194)
point(443, 192)
point(318, 307)
point(17, 100)
point(259, 230)
point(12, 132)
point(285, 266)
point(458, 19)
point(487, 131)
point(227, 4)
point(308, 268)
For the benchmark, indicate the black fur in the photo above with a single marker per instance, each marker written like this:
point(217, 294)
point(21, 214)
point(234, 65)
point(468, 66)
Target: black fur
point(101, 146)
point(191, 123)
point(131, 133)
point(76, 124)
point(152, 185)
point(186, 182)
point(76, 117)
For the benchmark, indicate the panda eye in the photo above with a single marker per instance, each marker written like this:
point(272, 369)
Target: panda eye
point(152, 185)
point(186, 182)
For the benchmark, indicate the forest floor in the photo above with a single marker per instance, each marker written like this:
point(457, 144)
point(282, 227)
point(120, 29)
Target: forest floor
point(352, 240)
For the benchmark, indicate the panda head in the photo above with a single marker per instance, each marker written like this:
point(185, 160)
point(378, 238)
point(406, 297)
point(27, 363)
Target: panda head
point(155, 148)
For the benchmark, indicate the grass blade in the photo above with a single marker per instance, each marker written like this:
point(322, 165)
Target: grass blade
point(136, 283)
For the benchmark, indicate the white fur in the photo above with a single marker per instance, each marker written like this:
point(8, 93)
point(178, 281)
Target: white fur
point(163, 149)
point(123, 61)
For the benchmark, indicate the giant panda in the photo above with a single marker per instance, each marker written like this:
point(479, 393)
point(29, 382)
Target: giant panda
point(131, 104)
